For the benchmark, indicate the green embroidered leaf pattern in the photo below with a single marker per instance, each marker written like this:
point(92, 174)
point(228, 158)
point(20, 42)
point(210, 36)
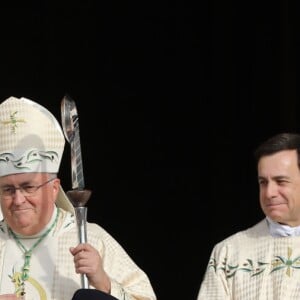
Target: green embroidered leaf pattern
point(13, 121)
point(254, 269)
point(18, 283)
point(28, 159)
point(288, 263)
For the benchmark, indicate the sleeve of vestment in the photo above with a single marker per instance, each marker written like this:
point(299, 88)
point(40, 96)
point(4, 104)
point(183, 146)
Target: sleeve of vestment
point(128, 280)
point(214, 285)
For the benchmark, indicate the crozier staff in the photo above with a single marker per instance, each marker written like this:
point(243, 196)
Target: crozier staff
point(40, 258)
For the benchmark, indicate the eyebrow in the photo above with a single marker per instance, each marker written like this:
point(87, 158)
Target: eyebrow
point(20, 184)
point(275, 177)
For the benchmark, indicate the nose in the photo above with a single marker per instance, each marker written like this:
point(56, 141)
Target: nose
point(18, 197)
point(271, 189)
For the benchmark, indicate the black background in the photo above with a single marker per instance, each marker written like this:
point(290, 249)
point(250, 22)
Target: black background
point(173, 97)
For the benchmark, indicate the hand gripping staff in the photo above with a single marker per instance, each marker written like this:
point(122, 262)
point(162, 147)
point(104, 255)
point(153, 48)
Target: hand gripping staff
point(78, 195)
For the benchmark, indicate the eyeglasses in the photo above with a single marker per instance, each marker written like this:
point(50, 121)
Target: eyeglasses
point(26, 190)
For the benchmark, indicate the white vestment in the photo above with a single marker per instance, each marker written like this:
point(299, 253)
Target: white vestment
point(253, 265)
point(52, 272)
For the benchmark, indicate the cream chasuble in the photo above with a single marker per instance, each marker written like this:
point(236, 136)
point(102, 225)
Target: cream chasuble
point(39, 285)
point(254, 265)
point(52, 275)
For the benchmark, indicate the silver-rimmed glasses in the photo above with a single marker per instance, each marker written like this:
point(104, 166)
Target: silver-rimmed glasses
point(27, 190)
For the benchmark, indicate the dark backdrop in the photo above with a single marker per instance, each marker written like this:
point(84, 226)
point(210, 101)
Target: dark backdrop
point(173, 96)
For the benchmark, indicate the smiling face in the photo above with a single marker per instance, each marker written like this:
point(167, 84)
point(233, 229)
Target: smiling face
point(25, 214)
point(279, 187)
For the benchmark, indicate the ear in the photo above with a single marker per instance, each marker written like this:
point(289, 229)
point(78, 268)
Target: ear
point(56, 185)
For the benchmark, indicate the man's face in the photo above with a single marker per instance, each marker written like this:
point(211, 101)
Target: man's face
point(279, 183)
point(28, 213)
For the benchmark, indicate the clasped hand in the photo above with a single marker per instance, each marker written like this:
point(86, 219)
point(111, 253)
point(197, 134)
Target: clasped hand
point(87, 260)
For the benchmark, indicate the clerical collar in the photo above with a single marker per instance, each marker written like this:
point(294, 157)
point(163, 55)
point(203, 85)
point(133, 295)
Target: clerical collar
point(280, 230)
